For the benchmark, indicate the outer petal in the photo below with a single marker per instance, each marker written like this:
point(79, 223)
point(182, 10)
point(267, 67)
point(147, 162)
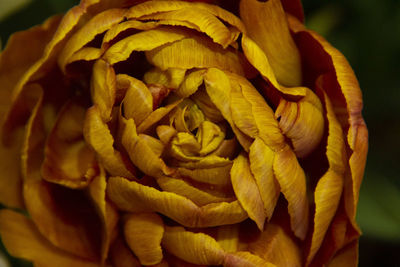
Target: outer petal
point(22, 239)
point(347, 257)
point(143, 233)
point(267, 26)
point(196, 248)
point(131, 196)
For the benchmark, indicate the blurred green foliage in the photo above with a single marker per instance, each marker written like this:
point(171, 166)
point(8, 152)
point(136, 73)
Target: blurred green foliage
point(367, 32)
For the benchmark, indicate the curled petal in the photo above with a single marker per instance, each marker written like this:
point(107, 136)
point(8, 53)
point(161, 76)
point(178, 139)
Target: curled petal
point(84, 54)
point(216, 176)
point(302, 122)
point(207, 106)
point(143, 233)
point(276, 246)
point(195, 52)
point(267, 26)
point(23, 240)
point(197, 248)
point(138, 101)
point(190, 84)
point(69, 161)
point(261, 165)
point(143, 41)
point(98, 136)
point(246, 190)
point(245, 259)
point(134, 197)
point(210, 161)
point(292, 181)
point(97, 25)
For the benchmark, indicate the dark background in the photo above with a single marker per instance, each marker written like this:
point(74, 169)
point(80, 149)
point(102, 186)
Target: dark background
point(368, 34)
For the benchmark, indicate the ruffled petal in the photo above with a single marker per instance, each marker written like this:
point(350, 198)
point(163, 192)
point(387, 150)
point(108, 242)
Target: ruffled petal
point(134, 197)
point(292, 181)
point(197, 248)
point(143, 41)
point(261, 165)
point(143, 234)
point(190, 84)
point(245, 259)
point(267, 26)
point(276, 246)
point(98, 136)
point(69, 161)
point(246, 190)
point(195, 51)
point(97, 25)
point(23, 240)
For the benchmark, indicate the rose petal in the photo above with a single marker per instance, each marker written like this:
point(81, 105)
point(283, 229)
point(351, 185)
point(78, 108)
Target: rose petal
point(267, 26)
point(134, 197)
point(292, 181)
point(197, 248)
point(246, 190)
point(195, 52)
point(143, 233)
point(261, 165)
point(138, 101)
point(143, 41)
point(98, 136)
point(23, 240)
point(276, 246)
point(68, 160)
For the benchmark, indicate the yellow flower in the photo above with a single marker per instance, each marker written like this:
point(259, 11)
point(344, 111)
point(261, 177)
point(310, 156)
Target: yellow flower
point(164, 132)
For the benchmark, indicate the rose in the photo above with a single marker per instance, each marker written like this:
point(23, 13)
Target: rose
point(163, 132)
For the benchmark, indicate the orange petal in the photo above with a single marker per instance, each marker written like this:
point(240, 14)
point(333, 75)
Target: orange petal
point(134, 197)
point(276, 246)
point(197, 248)
point(66, 217)
point(267, 26)
point(95, 26)
point(302, 122)
point(245, 259)
point(103, 88)
point(122, 256)
point(246, 190)
point(292, 181)
point(143, 41)
point(347, 256)
point(108, 214)
point(84, 54)
point(143, 233)
point(22, 239)
point(68, 160)
point(195, 52)
point(98, 136)
point(261, 165)
point(330, 186)
point(138, 101)
point(294, 7)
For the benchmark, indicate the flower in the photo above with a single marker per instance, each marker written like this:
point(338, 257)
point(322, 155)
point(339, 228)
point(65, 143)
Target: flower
point(171, 133)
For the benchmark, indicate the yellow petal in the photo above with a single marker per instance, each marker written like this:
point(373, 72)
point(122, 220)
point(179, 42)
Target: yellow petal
point(98, 136)
point(208, 108)
point(121, 255)
point(185, 189)
point(97, 25)
point(292, 181)
point(165, 133)
point(143, 41)
point(228, 237)
point(138, 101)
point(276, 246)
point(190, 84)
point(143, 233)
point(227, 149)
point(103, 88)
point(246, 190)
point(107, 212)
point(84, 54)
point(197, 248)
point(330, 186)
point(302, 122)
point(267, 26)
point(66, 217)
point(215, 176)
point(68, 160)
point(156, 116)
point(23, 240)
point(346, 257)
point(185, 147)
point(210, 161)
point(134, 197)
point(245, 259)
point(210, 136)
point(153, 143)
point(195, 52)
point(261, 165)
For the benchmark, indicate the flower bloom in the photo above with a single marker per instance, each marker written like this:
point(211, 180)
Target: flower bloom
point(179, 133)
